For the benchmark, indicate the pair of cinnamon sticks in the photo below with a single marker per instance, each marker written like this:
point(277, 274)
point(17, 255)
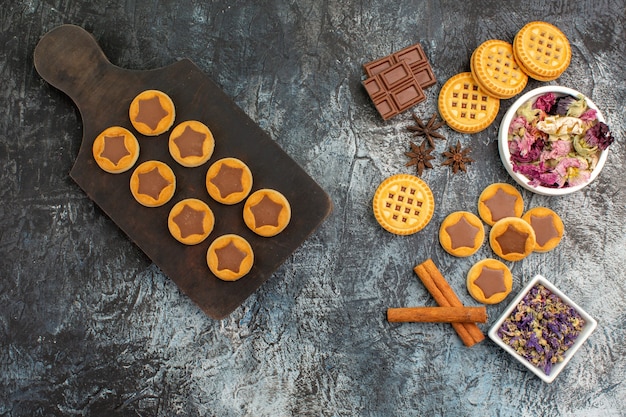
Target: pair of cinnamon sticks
point(451, 309)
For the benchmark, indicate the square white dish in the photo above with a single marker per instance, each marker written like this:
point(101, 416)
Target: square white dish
point(587, 329)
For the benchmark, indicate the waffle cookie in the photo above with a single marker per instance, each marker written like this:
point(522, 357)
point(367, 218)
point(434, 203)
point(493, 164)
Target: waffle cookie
point(115, 150)
point(548, 228)
point(190, 221)
point(403, 204)
point(512, 238)
point(489, 281)
point(266, 212)
point(191, 143)
point(461, 233)
point(494, 69)
point(464, 106)
point(230, 257)
point(499, 200)
point(229, 181)
point(153, 183)
point(542, 50)
point(152, 112)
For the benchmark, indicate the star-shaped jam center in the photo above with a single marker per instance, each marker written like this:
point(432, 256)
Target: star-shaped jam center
point(266, 212)
point(229, 257)
point(228, 180)
point(150, 112)
point(114, 149)
point(462, 234)
point(190, 142)
point(512, 241)
point(491, 281)
point(190, 221)
point(544, 228)
point(151, 183)
point(501, 205)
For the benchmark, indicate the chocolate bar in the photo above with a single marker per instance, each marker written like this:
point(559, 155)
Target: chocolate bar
point(396, 82)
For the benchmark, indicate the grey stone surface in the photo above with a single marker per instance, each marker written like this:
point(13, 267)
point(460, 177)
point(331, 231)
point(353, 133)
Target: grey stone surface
point(88, 326)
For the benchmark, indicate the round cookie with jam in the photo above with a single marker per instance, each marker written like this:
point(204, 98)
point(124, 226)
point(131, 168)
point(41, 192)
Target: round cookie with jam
point(230, 257)
point(191, 143)
point(190, 221)
point(461, 233)
point(548, 228)
point(267, 212)
point(115, 150)
point(153, 183)
point(512, 238)
point(498, 201)
point(489, 281)
point(152, 112)
point(228, 181)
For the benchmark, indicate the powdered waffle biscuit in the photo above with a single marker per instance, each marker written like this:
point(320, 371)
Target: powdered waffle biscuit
point(403, 204)
point(542, 50)
point(495, 70)
point(464, 106)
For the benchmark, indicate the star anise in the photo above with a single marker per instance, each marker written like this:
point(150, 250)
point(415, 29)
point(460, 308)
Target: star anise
point(428, 129)
point(457, 158)
point(420, 157)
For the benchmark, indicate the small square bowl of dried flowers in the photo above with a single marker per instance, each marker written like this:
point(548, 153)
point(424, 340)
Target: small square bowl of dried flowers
point(542, 328)
point(553, 140)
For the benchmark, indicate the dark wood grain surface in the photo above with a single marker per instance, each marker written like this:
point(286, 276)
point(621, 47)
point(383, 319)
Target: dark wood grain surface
point(90, 326)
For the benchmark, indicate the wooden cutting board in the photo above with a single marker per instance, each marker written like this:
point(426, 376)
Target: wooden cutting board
point(69, 58)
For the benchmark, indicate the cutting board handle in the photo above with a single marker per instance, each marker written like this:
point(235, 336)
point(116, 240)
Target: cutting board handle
point(69, 58)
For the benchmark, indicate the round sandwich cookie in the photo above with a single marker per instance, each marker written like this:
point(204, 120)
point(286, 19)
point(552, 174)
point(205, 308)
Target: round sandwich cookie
point(548, 228)
point(153, 183)
point(230, 257)
point(403, 204)
point(512, 238)
point(461, 233)
point(267, 212)
point(228, 181)
point(489, 281)
point(115, 150)
point(191, 143)
point(152, 112)
point(190, 221)
point(464, 106)
point(542, 50)
point(494, 68)
point(499, 200)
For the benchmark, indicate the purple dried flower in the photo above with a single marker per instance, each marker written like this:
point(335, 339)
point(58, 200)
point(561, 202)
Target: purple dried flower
point(599, 135)
point(562, 105)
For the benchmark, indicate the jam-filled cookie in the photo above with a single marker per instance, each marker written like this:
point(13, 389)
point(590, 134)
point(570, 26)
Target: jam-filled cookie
point(512, 238)
point(190, 221)
point(267, 212)
point(152, 112)
point(191, 143)
point(461, 233)
point(230, 257)
point(548, 227)
point(153, 183)
point(498, 201)
point(115, 150)
point(489, 281)
point(228, 181)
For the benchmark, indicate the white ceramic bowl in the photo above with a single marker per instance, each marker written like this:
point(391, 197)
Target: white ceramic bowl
point(503, 140)
point(588, 328)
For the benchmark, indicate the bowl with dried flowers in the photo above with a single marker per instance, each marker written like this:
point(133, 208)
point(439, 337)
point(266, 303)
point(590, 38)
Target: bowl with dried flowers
point(553, 140)
point(542, 328)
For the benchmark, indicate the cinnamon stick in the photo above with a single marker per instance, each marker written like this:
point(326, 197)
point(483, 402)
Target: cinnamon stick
point(445, 296)
point(437, 315)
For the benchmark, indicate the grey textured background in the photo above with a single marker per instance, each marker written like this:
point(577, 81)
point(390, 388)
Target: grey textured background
point(88, 326)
